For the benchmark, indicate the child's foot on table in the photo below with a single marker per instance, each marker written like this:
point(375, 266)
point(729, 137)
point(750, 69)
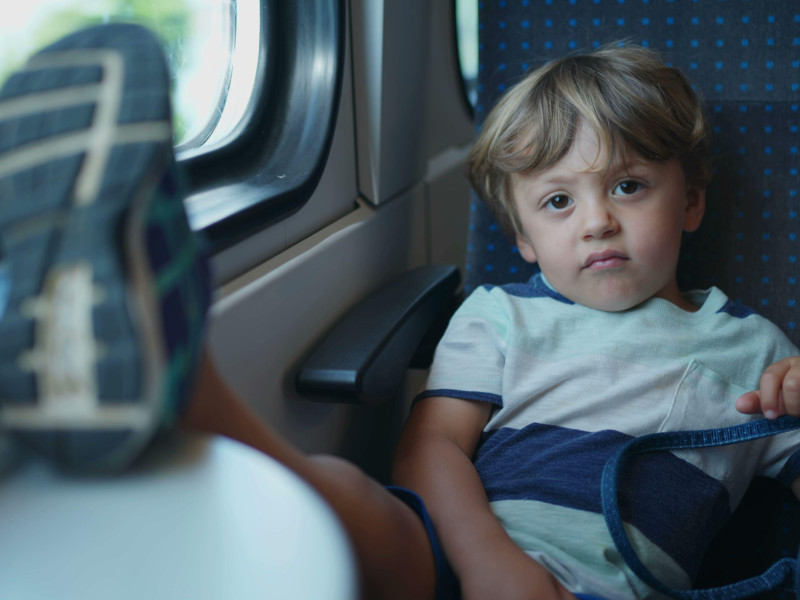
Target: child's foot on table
point(109, 288)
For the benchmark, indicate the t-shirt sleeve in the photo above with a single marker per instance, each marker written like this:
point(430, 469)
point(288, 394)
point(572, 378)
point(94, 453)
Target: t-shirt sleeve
point(469, 360)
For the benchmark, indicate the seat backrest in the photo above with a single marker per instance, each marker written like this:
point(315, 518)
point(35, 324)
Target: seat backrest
point(745, 58)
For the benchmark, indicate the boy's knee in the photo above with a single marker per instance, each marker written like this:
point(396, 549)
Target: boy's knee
point(362, 497)
point(389, 538)
point(337, 465)
point(344, 474)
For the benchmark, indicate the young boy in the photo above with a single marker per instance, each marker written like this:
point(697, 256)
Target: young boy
point(596, 164)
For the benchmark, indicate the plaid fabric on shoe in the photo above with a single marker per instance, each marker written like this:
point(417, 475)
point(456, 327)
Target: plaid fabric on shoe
point(103, 328)
point(182, 282)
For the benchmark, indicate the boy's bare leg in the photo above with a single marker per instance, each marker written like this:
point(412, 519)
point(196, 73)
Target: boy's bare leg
point(389, 539)
point(102, 330)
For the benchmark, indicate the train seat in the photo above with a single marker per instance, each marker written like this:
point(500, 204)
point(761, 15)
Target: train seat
point(745, 59)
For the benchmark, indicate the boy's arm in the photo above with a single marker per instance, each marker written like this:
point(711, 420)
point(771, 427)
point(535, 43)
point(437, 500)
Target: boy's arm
point(434, 458)
point(778, 393)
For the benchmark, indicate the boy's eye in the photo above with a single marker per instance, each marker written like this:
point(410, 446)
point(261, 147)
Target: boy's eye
point(559, 202)
point(626, 188)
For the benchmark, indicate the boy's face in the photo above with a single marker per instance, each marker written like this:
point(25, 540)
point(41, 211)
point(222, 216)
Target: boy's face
point(607, 239)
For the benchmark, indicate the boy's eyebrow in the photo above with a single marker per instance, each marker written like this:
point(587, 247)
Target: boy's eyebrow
point(628, 161)
point(613, 170)
point(545, 179)
point(631, 159)
point(542, 180)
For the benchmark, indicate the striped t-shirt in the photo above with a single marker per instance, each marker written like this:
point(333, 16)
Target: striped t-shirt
point(571, 384)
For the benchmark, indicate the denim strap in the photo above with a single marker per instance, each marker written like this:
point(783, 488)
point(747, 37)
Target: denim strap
point(784, 573)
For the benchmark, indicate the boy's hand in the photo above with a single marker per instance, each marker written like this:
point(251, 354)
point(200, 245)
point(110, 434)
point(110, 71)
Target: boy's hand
point(778, 393)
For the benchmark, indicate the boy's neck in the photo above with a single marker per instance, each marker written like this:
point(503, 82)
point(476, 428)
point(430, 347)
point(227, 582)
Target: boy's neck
point(672, 294)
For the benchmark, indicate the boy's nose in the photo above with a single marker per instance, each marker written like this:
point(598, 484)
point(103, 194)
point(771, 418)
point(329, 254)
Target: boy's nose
point(599, 222)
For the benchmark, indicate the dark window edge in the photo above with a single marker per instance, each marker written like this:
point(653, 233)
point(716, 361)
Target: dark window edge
point(272, 166)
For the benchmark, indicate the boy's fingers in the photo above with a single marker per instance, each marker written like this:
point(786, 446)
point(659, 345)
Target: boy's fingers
point(790, 393)
point(749, 403)
point(770, 389)
point(778, 393)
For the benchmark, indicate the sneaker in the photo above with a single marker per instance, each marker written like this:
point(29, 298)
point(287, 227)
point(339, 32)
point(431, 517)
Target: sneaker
point(103, 327)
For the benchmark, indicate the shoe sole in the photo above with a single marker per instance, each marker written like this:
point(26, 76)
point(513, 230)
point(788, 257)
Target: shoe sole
point(86, 137)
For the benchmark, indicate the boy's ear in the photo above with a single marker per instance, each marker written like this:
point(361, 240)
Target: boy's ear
point(526, 250)
point(695, 208)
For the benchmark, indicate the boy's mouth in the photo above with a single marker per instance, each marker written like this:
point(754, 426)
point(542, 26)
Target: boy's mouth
point(607, 259)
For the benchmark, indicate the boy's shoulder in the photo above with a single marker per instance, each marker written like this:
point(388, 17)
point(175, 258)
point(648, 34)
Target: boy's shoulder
point(740, 327)
point(721, 303)
point(745, 315)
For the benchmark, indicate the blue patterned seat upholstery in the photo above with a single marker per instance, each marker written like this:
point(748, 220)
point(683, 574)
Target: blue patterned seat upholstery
point(745, 59)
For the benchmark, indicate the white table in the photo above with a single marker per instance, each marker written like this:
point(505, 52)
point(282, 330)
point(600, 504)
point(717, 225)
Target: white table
point(200, 518)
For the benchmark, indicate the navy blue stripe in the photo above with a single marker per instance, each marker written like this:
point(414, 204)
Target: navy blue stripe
point(791, 470)
point(463, 395)
point(736, 309)
point(535, 287)
point(675, 504)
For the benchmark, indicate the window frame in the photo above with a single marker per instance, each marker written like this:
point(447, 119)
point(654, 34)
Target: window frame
point(271, 164)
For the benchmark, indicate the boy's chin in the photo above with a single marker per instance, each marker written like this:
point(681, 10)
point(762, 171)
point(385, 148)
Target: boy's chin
point(611, 302)
point(615, 306)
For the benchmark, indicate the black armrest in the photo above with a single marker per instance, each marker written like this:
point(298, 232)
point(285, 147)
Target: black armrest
point(365, 356)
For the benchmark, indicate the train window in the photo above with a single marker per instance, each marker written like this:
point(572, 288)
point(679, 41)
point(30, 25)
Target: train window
point(198, 37)
point(255, 94)
point(467, 32)
point(274, 160)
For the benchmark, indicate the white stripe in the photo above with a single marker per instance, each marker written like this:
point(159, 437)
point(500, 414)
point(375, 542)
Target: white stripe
point(103, 129)
point(33, 104)
point(104, 132)
point(76, 143)
point(586, 561)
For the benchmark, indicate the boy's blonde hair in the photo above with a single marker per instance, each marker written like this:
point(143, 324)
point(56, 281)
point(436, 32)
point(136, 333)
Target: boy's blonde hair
point(626, 94)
